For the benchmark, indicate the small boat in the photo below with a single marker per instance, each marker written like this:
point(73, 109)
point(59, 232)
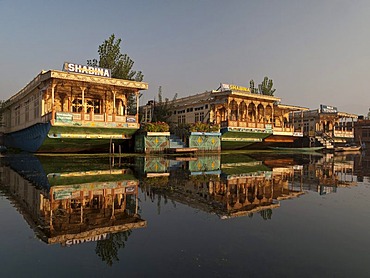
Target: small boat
point(302, 149)
point(353, 148)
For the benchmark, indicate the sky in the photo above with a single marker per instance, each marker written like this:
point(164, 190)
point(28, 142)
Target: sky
point(315, 51)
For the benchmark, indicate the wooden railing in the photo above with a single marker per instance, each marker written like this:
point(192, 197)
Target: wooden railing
point(77, 117)
point(286, 128)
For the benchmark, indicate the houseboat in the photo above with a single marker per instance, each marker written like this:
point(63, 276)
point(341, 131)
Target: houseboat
point(78, 109)
point(246, 119)
point(327, 127)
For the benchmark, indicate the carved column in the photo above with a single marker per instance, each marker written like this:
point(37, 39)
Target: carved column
point(83, 110)
point(114, 105)
point(53, 103)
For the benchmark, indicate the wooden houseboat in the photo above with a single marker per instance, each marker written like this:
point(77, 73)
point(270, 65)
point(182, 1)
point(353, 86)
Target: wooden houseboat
point(79, 109)
point(327, 127)
point(246, 120)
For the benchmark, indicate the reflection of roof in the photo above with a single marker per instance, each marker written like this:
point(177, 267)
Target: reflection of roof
point(97, 233)
point(246, 212)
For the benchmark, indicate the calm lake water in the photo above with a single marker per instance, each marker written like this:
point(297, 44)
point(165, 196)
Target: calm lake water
point(231, 215)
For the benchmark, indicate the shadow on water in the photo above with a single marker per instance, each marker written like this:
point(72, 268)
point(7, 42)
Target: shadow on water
point(71, 200)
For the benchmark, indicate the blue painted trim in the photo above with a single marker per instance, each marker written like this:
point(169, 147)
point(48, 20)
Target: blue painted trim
point(29, 139)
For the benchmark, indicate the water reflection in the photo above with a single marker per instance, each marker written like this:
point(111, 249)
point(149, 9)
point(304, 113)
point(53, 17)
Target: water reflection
point(237, 185)
point(73, 200)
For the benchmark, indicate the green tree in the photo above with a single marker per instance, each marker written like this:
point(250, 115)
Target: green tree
point(265, 88)
point(252, 88)
point(266, 214)
point(162, 108)
point(110, 57)
point(108, 249)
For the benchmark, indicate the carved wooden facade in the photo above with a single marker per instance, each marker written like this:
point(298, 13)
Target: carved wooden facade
point(82, 97)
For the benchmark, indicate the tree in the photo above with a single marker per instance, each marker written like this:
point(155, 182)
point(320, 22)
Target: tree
point(107, 249)
point(162, 108)
point(110, 57)
point(265, 88)
point(252, 88)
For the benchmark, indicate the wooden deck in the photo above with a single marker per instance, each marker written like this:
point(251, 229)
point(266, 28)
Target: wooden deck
point(181, 150)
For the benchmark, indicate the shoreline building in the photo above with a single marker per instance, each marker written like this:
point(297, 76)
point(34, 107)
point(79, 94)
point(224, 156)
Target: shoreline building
point(78, 109)
point(327, 126)
point(362, 131)
point(246, 119)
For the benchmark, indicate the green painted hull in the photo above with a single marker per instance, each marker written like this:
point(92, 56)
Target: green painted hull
point(241, 140)
point(62, 139)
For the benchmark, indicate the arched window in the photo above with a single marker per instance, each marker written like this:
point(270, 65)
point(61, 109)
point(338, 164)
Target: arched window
point(268, 114)
point(252, 112)
point(233, 110)
point(77, 105)
point(261, 112)
point(242, 111)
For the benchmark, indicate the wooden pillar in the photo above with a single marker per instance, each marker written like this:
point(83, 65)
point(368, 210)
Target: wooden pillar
point(302, 121)
point(137, 106)
point(272, 116)
point(114, 105)
point(53, 103)
point(83, 103)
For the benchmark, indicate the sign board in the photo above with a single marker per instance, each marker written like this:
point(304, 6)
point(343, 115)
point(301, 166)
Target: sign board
point(90, 70)
point(328, 109)
point(131, 119)
point(64, 117)
point(228, 87)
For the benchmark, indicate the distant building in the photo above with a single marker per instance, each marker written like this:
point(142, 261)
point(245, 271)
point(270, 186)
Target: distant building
point(328, 126)
point(362, 131)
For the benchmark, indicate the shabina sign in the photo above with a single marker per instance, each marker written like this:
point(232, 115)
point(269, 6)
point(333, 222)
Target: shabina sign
point(76, 68)
point(227, 87)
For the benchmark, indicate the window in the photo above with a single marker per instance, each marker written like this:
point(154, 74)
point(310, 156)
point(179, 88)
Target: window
point(77, 105)
point(17, 115)
point(27, 111)
point(199, 117)
point(36, 109)
point(181, 119)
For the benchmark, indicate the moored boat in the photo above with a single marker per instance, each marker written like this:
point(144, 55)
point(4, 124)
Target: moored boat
point(303, 149)
point(348, 149)
point(72, 111)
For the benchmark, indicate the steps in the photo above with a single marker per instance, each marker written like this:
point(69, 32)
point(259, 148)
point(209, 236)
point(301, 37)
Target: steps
point(176, 143)
point(326, 140)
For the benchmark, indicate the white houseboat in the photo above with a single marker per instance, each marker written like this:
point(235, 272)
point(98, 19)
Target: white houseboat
point(78, 109)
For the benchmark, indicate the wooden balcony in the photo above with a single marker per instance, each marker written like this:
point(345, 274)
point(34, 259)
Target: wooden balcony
point(288, 129)
point(91, 119)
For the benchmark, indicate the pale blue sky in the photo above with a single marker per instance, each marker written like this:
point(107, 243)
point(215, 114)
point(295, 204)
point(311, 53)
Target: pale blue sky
point(316, 52)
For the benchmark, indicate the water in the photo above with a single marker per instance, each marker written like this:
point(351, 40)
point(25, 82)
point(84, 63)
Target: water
point(234, 215)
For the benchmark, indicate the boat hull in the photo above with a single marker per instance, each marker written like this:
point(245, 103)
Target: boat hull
point(45, 138)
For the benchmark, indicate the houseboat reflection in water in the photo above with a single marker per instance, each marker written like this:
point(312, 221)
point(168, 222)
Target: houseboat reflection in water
point(237, 185)
point(68, 206)
point(74, 200)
